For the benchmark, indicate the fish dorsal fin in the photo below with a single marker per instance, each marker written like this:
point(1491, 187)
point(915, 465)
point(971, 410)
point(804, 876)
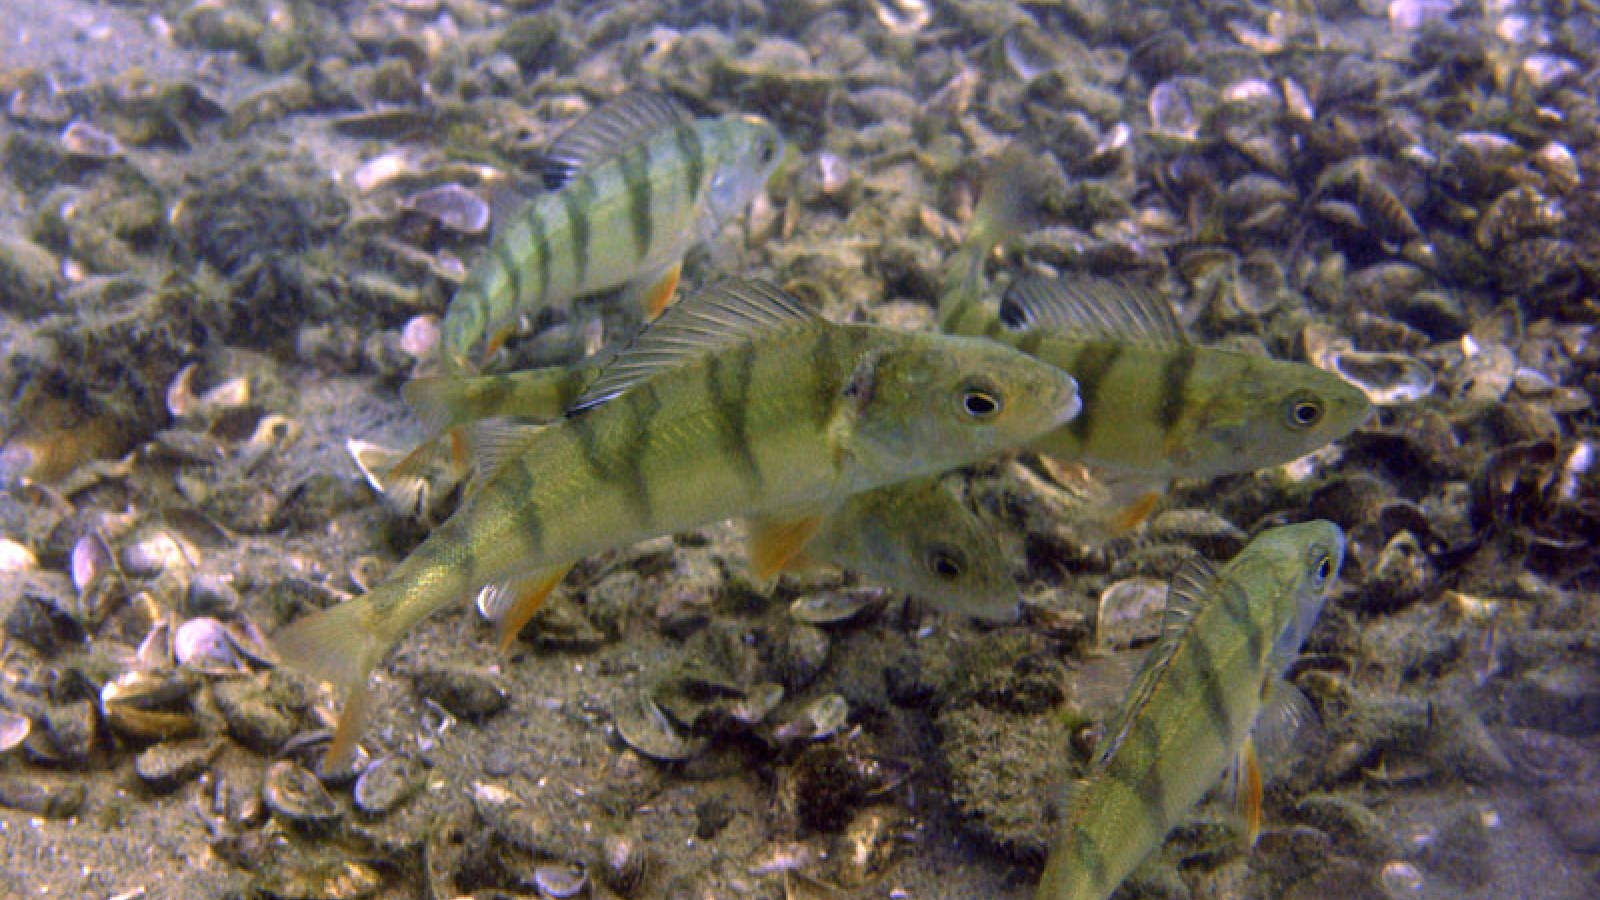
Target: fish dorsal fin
point(1190, 588)
point(721, 316)
point(1087, 307)
point(606, 131)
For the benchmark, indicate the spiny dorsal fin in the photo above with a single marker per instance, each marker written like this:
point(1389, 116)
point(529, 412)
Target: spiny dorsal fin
point(724, 315)
point(606, 131)
point(1190, 588)
point(1192, 585)
point(1087, 307)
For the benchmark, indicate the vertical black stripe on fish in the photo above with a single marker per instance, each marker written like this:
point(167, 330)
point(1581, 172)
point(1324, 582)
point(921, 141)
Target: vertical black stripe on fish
point(728, 379)
point(1234, 602)
point(635, 166)
point(1174, 384)
point(1089, 367)
point(1144, 780)
point(540, 238)
point(1202, 673)
point(622, 465)
point(572, 200)
point(508, 261)
point(694, 160)
point(525, 513)
point(826, 390)
point(1090, 857)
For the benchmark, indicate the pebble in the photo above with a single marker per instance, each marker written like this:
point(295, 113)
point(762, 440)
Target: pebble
point(1562, 696)
point(167, 767)
point(466, 692)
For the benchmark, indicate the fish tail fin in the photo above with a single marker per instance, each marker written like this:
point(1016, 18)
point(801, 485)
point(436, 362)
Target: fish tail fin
point(338, 645)
point(412, 465)
point(1007, 207)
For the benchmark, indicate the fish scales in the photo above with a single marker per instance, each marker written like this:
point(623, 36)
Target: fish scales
point(913, 536)
point(827, 411)
point(627, 213)
point(1192, 707)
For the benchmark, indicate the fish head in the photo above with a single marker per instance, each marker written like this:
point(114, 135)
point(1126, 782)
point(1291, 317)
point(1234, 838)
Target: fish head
point(925, 403)
point(920, 539)
point(1274, 411)
point(745, 151)
point(1310, 555)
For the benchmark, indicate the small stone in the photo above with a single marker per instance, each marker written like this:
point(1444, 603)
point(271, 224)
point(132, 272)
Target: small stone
point(467, 692)
point(71, 729)
point(29, 793)
point(799, 658)
point(385, 785)
point(1562, 696)
point(254, 718)
point(167, 767)
point(1570, 810)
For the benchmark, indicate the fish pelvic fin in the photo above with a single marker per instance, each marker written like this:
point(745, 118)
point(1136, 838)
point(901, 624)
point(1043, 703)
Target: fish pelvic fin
point(530, 594)
point(776, 544)
point(657, 289)
point(341, 646)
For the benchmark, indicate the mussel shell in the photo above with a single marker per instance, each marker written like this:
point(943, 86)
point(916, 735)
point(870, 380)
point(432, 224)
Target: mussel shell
point(296, 795)
point(385, 784)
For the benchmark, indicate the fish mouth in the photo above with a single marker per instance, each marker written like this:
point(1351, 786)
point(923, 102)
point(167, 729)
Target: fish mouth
point(1071, 404)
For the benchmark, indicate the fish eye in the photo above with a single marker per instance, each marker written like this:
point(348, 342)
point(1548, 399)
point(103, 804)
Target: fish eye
point(1304, 411)
point(768, 150)
point(1323, 568)
point(979, 402)
point(945, 563)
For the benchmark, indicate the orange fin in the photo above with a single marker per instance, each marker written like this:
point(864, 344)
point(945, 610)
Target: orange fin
point(531, 593)
point(352, 721)
point(659, 293)
point(776, 544)
point(1133, 514)
point(496, 341)
point(1247, 793)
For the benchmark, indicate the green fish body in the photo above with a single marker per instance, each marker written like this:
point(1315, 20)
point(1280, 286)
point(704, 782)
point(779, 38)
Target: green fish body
point(912, 536)
point(1157, 407)
point(1191, 709)
point(643, 182)
point(738, 403)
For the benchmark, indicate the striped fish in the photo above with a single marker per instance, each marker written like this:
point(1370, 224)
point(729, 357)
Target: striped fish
point(738, 402)
point(1227, 636)
point(635, 183)
point(1156, 405)
point(913, 537)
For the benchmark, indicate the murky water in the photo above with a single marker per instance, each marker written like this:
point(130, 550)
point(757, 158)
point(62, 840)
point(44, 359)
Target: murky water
point(230, 233)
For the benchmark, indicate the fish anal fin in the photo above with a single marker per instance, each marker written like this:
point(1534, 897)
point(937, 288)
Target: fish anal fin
point(352, 721)
point(1247, 792)
point(776, 543)
point(530, 593)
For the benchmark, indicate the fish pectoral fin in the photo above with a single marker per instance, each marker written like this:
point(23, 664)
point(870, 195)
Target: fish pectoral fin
point(1287, 724)
point(776, 543)
point(656, 289)
point(528, 594)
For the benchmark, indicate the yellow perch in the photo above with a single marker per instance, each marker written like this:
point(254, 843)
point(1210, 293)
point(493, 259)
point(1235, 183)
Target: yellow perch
point(1227, 636)
point(636, 183)
point(737, 402)
point(913, 537)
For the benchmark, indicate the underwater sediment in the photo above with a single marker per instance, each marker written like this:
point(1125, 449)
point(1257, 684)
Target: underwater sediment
point(228, 235)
